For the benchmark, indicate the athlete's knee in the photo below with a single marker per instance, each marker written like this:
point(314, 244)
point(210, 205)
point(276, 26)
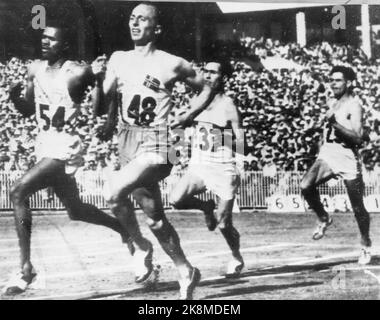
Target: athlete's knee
point(17, 193)
point(155, 224)
point(175, 202)
point(306, 187)
point(75, 211)
point(114, 203)
point(224, 225)
point(225, 222)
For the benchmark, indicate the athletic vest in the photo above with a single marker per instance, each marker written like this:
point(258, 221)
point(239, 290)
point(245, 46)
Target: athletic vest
point(329, 135)
point(54, 106)
point(143, 99)
point(213, 137)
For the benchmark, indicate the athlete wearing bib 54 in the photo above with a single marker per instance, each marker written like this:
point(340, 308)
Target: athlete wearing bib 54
point(141, 80)
point(54, 92)
point(338, 156)
point(212, 166)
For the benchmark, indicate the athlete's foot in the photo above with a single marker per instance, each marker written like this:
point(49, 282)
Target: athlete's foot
point(210, 218)
point(142, 261)
point(188, 284)
point(365, 256)
point(19, 282)
point(321, 228)
point(235, 267)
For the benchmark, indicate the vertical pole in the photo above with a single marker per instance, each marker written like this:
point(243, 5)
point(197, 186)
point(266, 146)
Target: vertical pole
point(366, 30)
point(301, 28)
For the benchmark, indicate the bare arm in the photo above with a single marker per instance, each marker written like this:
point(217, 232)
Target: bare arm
point(105, 98)
point(81, 78)
point(200, 101)
point(238, 145)
point(25, 105)
point(100, 88)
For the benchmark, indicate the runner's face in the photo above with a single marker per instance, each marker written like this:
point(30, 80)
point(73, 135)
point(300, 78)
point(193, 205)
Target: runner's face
point(142, 24)
point(212, 74)
point(338, 84)
point(52, 43)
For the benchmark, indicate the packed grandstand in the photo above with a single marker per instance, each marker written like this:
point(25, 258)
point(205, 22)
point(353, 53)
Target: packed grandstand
point(281, 107)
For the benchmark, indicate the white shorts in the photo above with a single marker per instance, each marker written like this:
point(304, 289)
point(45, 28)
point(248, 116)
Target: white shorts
point(342, 161)
point(221, 179)
point(61, 146)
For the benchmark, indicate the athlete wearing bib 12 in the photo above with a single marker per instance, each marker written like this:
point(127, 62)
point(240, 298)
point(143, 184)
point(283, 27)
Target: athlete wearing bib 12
point(55, 89)
point(338, 156)
point(54, 109)
point(217, 136)
point(141, 81)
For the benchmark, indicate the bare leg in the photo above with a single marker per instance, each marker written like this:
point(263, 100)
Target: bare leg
point(317, 174)
point(67, 191)
point(355, 192)
point(149, 199)
point(182, 197)
point(37, 178)
point(232, 236)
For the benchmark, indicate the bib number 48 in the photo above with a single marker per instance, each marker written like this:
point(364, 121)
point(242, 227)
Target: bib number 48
point(147, 115)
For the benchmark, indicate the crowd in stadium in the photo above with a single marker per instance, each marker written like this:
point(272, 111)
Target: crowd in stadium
point(281, 109)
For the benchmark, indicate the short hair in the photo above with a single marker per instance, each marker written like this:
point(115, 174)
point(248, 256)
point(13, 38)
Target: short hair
point(67, 32)
point(347, 72)
point(157, 10)
point(225, 65)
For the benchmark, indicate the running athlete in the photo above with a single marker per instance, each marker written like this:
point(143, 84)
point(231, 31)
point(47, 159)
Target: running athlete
point(141, 80)
point(212, 165)
point(338, 156)
point(55, 89)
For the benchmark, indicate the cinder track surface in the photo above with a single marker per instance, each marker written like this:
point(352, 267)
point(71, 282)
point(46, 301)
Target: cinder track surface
point(75, 260)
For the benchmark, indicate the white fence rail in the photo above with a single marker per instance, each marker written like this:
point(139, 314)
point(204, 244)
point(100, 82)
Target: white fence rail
point(254, 192)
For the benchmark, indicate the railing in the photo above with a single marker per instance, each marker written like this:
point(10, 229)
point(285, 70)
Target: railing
point(254, 192)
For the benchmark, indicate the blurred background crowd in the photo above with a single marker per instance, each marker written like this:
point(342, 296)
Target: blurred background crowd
point(281, 91)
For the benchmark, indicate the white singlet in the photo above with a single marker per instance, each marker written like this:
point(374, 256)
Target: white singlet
point(145, 101)
point(342, 159)
point(212, 157)
point(54, 108)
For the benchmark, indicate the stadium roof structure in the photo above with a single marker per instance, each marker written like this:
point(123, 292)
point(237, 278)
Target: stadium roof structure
point(240, 7)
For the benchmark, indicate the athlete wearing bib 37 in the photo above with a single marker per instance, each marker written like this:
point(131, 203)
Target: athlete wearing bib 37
point(55, 89)
point(212, 165)
point(142, 80)
point(338, 156)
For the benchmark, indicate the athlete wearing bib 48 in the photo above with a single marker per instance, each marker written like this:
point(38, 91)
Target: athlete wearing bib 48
point(55, 89)
point(217, 136)
point(338, 157)
point(137, 85)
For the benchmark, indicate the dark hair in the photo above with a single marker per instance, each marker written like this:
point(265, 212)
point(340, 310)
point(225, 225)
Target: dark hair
point(347, 72)
point(67, 32)
point(68, 35)
point(225, 65)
